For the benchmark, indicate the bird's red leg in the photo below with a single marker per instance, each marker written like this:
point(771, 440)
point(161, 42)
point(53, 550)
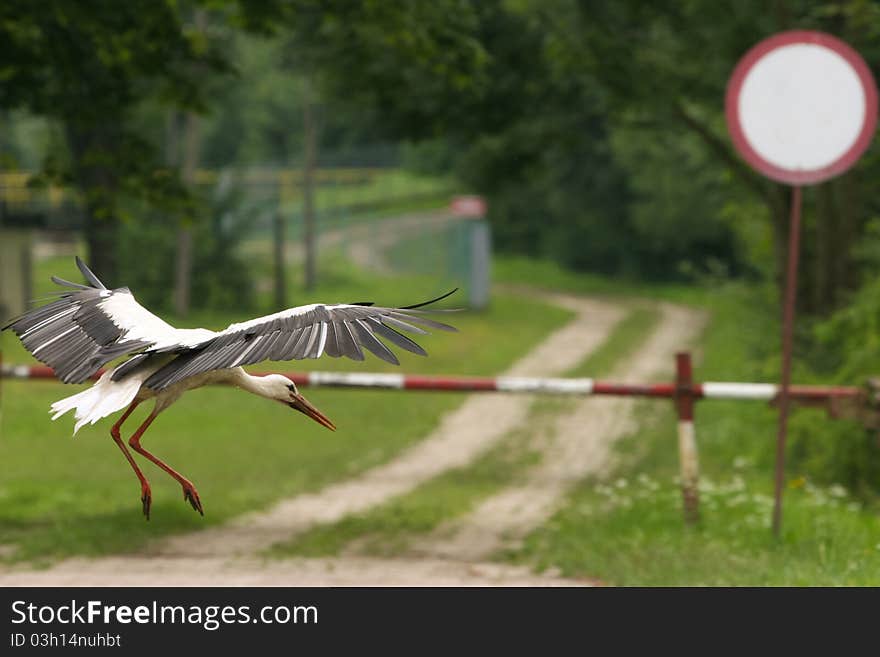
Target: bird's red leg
point(146, 496)
point(189, 491)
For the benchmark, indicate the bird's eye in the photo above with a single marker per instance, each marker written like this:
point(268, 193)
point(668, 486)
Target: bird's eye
point(292, 388)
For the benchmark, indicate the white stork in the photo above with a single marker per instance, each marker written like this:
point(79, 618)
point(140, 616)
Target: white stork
point(86, 328)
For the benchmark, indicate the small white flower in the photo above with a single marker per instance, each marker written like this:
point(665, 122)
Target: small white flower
point(836, 490)
point(736, 500)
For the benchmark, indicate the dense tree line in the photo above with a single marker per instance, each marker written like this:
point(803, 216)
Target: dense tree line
point(594, 127)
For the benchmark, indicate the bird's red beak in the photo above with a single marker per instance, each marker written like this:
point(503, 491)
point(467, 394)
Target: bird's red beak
point(303, 406)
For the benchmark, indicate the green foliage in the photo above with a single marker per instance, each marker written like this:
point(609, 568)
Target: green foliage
point(89, 65)
point(88, 61)
point(222, 280)
point(407, 64)
point(630, 532)
point(851, 337)
point(538, 148)
point(627, 528)
point(256, 119)
point(843, 453)
point(572, 170)
point(677, 206)
point(555, 191)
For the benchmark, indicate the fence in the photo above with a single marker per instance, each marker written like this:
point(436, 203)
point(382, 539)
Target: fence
point(840, 401)
point(342, 193)
point(259, 213)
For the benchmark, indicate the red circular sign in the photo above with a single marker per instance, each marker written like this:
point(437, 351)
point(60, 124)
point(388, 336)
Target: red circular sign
point(801, 107)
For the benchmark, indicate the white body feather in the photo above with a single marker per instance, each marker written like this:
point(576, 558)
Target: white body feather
point(108, 396)
point(103, 398)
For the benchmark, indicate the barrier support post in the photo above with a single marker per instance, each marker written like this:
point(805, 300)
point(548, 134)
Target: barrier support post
point(687, 443)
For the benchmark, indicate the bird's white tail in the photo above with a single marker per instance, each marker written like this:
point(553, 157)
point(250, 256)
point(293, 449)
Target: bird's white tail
point(99, 401)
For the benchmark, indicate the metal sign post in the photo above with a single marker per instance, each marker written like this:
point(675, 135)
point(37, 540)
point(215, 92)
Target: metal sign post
point(801, 108)
point(794, 234)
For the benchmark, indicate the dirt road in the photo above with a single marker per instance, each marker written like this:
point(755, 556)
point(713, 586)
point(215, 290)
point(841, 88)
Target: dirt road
point(581, 445)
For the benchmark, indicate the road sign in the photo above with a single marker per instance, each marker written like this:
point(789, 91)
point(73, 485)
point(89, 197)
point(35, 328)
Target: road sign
point(801, 108)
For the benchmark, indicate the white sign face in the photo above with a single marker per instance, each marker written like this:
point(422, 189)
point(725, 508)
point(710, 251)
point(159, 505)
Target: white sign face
point(801, 107)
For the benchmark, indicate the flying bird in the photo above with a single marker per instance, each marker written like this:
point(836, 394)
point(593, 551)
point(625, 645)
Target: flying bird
point(88, 326)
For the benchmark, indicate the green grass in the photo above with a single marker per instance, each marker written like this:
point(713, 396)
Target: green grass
point(388, 529)
point(378, 196)
point(60, 497)
point(627, 529)
point(630, 532)
point(380, 187)
point(629, 333)
point(520, 270)
point(63, 497)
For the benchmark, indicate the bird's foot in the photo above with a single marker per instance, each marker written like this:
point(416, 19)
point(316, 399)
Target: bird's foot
point(146, 500)
point(191, 495)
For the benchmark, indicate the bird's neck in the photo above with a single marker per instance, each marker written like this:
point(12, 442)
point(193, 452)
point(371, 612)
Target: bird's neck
point(253, 384)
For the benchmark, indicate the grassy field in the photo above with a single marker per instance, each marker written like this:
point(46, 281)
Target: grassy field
point(60, 496)
point(379, 187)
point(627, 528)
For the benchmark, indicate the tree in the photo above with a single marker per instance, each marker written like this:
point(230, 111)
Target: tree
point(665, 65)
point(390, 58)
point(88, 65)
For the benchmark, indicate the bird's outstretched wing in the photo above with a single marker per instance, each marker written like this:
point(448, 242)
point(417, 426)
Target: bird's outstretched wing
point(87, 327)
point(304, 332)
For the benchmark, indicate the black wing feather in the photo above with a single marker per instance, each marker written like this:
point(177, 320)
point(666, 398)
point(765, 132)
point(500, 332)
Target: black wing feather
point(349, 328)
point(72, 335)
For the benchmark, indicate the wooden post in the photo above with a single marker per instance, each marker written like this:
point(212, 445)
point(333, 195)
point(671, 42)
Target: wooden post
point(687, 443)
point(278, 240)
point(310, 157)
point(183, 262)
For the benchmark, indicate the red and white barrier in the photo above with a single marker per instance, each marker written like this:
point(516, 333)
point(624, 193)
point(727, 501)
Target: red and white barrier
point(684, 392)
point(513, 384)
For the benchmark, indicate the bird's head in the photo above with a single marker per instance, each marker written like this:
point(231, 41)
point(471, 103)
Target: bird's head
point(284, 390)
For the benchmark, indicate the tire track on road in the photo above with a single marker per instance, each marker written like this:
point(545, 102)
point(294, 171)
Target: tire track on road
point(582, 445)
